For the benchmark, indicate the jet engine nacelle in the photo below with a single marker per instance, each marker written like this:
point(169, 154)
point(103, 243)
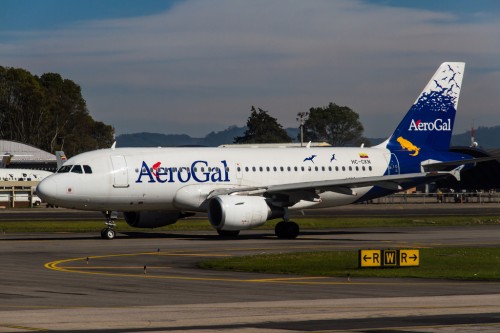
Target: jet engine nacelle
point(228, 212)
point(151, 219)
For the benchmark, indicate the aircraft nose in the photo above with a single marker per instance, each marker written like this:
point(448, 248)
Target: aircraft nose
point(47, 190)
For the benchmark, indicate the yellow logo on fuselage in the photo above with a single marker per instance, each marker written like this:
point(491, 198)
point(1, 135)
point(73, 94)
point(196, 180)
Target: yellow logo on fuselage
point(405, 144)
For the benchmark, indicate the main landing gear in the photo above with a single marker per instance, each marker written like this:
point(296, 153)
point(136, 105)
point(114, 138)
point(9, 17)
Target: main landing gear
point(286, 229)
point(109, 232)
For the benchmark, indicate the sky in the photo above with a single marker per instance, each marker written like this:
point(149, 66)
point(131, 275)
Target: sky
point(197, 66)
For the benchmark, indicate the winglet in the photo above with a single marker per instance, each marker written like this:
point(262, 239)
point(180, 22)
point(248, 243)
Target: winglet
point(113, 146)
point(456, 172)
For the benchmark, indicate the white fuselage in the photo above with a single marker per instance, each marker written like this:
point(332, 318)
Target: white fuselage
point(23, 175)
point(139, 179)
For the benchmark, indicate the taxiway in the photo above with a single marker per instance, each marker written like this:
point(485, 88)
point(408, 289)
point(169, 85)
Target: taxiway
point(81, 283)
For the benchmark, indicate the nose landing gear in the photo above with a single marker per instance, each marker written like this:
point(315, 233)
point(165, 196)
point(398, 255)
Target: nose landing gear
point(109, 232)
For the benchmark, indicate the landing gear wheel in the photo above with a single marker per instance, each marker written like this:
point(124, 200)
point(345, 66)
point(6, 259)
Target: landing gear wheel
point(287, 230)
point(108, 233)
point(228, 233)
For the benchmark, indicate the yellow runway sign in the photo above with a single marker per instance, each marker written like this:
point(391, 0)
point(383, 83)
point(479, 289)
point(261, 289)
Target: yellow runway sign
point(409, 258)
point(370, 258)
point(389, 258)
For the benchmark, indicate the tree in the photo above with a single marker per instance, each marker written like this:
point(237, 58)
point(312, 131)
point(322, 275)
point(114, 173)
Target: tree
point(262, 128)
point(21, 105)
point(337, 125)
point(41, 111)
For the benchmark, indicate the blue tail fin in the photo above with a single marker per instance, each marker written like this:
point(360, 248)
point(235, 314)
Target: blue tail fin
point(428, 125)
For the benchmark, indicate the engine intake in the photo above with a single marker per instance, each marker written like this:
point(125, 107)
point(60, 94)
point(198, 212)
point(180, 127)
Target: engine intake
point(228, 212)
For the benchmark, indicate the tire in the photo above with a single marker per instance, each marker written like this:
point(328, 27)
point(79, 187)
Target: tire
point(287, 230)
point(108, 233)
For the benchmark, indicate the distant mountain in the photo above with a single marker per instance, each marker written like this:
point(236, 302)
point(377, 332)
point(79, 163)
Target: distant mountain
point(487, 137)
point(155, 140)
point(212, 139)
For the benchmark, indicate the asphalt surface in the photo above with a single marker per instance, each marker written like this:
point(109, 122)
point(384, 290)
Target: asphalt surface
point(81, 283)
point(395, 209)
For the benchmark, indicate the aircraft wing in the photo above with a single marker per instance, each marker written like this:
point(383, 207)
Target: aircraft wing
point(345, 186)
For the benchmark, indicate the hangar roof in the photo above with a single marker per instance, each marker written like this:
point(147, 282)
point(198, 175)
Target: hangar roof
point(24, 153)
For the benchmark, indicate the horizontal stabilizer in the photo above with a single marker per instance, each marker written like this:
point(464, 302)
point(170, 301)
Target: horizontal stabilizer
point(438, 166)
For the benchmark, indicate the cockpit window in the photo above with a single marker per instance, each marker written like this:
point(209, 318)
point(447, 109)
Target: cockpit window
point(87, 169)
point(64, 169)
point(77, 169)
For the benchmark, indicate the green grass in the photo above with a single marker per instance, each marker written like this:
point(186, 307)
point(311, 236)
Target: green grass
point(204, 225)
point(435, 263)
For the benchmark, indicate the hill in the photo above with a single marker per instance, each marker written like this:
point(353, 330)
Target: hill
point(213, 139)
point(487, 137)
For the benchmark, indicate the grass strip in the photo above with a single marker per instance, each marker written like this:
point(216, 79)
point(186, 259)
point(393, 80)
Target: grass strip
point(40, 225)
point(458, 263)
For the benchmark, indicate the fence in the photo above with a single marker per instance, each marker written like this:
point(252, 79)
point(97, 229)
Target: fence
point(18, 194)
point(449, 197)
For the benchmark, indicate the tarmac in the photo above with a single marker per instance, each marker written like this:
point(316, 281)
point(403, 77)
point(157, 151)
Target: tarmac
point(150, 282)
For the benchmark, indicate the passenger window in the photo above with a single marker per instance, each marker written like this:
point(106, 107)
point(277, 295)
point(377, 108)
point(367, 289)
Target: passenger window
point(77, 169)
point(343, 168)
point(295, 168)
point(246, 169)
point(370, 168)
point(350, 168)
point(87, 169)
point(275, 169)
point(267, 169)
point(289, 169)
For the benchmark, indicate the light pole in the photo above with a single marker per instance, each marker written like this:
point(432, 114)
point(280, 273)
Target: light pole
point(301, 118)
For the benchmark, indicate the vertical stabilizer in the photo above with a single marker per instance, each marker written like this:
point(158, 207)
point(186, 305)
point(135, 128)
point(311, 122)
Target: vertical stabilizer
point(428, 125)
point(60, 158)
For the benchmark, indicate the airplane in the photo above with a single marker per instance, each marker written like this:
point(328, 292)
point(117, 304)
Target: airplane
point(17, 174)
point(242, 188)
point(23, 175)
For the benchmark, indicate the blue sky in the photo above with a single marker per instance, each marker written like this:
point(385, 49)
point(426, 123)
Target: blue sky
point(196, 66)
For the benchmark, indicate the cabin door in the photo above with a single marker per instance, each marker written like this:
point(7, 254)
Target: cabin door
point(120, 171)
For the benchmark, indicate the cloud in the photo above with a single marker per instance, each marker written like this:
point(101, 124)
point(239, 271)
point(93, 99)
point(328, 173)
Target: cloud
point(200, 65)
